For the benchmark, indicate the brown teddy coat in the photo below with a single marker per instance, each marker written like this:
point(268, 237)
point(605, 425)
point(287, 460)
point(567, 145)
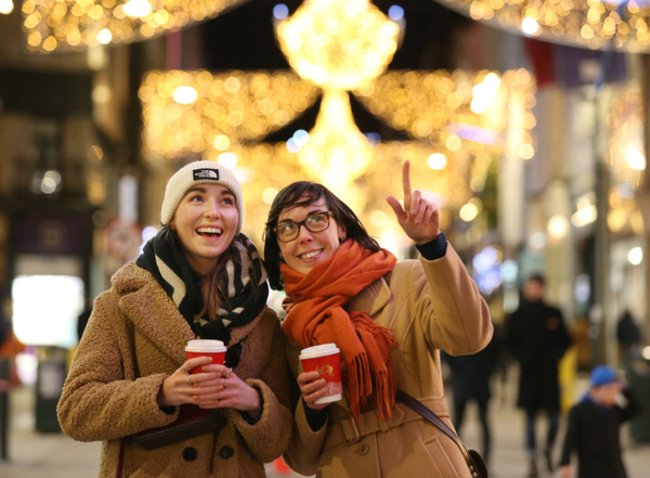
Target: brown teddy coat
point(135, 339)
point(429, 305)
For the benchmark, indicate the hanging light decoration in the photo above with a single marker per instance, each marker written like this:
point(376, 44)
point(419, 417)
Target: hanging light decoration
point(6, 7)
point(75, 24)
point(585, 23)
point(175, 130)
point(337, 46)
point(198, 112)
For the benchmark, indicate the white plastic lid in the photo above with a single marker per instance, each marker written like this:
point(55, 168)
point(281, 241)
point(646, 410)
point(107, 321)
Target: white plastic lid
point(205, 345)
point(318, 351)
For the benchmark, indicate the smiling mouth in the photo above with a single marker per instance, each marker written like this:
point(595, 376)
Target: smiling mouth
point(209, 231)
point(310, 254)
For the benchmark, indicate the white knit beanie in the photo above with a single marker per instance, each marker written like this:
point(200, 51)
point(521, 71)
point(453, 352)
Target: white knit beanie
point(199, 172)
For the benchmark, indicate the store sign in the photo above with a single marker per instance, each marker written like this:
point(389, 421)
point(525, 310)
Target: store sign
point(123, 239)
point(59, 235)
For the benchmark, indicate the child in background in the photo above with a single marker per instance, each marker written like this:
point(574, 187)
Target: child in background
point(594, 426)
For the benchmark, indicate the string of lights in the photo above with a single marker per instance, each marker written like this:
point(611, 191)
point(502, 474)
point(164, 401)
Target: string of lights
point(200, 112)
point(185, 113)
point(585, 23)
point(460, 123)
point(53, 25)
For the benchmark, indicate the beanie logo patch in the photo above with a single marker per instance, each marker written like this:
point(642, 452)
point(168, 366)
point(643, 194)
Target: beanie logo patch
point(206, 174)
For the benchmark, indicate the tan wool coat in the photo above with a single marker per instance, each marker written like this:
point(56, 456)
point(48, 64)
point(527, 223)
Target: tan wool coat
point(135, 339)
point(431, 306)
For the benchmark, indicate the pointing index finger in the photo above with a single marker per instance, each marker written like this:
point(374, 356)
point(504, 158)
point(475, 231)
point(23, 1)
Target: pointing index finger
point(406, 183)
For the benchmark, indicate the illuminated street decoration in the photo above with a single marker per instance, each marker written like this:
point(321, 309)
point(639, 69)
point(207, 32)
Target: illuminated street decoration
point(226, 109)
point(453, 109)
point(585, 23)
point(76, 24)
point(6, 7)
point(626, 158)
point(338, 45)
point(459, 123)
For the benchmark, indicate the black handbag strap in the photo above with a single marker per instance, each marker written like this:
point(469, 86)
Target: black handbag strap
point(416, 405)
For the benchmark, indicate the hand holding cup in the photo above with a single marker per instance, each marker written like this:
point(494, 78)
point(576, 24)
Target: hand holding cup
point(195, 378)
point(320, 384)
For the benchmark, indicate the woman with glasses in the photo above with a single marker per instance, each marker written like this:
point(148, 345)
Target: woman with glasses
point(200, 277)
point(389, 319)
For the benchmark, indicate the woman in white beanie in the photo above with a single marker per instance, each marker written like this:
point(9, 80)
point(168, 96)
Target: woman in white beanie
point(199, 277)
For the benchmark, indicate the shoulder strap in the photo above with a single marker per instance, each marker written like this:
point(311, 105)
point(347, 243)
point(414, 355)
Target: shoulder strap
point(477, 471)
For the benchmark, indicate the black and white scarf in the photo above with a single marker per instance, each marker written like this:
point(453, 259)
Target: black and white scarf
point(182, 283)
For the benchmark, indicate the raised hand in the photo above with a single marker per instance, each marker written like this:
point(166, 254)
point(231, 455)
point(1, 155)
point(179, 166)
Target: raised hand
point(420, 218)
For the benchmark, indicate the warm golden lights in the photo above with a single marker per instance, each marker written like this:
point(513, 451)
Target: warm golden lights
point(587, 23)
point(626, 158)
point(198, 112)
point(459, 123)
point(75, 24)
point(336, 43)
point(335, 152)
point(6, 7)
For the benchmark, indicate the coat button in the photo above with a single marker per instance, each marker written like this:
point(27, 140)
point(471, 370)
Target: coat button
point(190, 454)
point(363, 449)
point(226, 452)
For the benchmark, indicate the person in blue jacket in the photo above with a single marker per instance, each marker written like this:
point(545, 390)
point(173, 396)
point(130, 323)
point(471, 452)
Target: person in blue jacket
point(594, 425)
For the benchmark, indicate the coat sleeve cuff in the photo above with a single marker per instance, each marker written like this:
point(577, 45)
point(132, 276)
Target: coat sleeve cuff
point(315, 418)
point(160, 416)
point(303, 453)
point(247, 416)
point(434, 249)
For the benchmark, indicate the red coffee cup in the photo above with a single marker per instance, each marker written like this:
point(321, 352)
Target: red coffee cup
point(324, 359)
point(206, 348)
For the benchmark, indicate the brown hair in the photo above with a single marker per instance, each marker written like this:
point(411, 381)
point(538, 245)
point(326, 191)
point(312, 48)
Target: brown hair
point(304, 193)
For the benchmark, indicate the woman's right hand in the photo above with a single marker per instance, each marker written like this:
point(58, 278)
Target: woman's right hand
point(177, 389)
point(312, 387)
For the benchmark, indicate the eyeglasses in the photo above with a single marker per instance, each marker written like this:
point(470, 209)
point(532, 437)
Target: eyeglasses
point(288, 230)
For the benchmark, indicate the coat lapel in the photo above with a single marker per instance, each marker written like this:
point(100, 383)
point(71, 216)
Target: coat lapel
point(170, 332)
point(372, 299)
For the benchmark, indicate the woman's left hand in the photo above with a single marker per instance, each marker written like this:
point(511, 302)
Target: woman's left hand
point(231, 392)
point(420, 218)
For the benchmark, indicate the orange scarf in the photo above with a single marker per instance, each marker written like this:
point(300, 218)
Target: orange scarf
point(318, 317)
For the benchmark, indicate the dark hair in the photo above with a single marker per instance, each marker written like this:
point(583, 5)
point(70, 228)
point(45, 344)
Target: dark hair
point(538, 278)
point(304, 193)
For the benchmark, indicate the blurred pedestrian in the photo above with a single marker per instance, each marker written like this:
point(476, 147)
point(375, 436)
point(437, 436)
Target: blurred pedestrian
point(594, 427)
point(9, 350)
point(628, 335)
point(538, 338)
point(198, 277)
point(470, 381)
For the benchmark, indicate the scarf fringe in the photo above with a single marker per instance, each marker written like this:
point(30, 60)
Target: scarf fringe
point(378, 341)
point(359, 384)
